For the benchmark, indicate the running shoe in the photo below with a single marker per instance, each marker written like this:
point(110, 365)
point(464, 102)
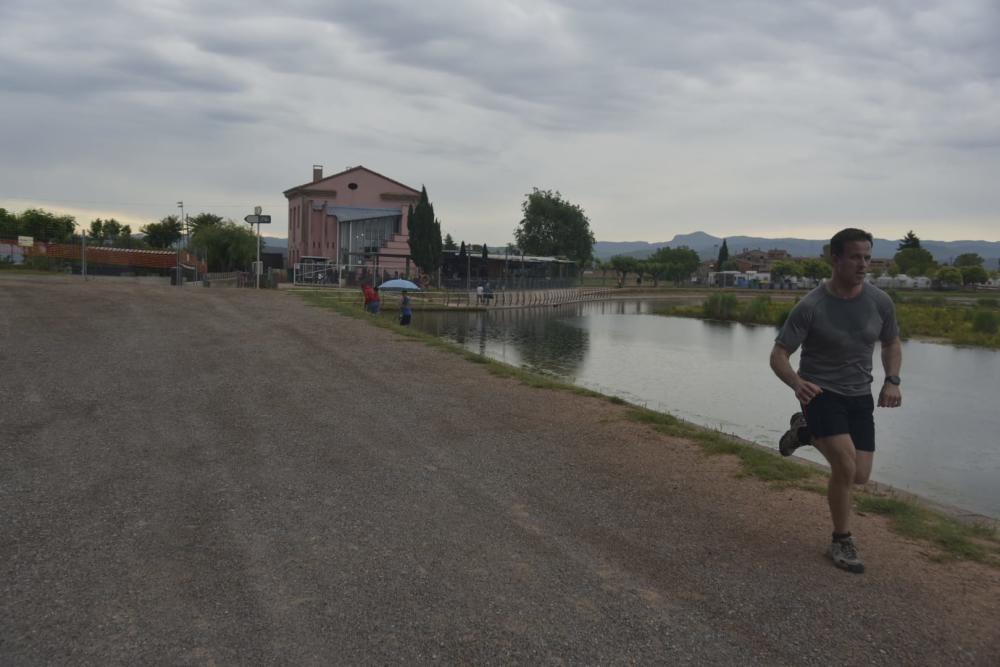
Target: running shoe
point(796, 436)
point(845, 555)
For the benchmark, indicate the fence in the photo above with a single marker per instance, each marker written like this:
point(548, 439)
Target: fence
point(268, 279)
point(498, 299)
point(70, 257)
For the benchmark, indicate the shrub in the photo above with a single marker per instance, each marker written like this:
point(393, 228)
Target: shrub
point(985, 322)
point(721, 307)
point(989, 303)
point(758, 310)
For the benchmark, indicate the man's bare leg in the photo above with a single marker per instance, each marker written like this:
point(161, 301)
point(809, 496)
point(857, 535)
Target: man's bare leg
point(847, 467)
point(841, 455)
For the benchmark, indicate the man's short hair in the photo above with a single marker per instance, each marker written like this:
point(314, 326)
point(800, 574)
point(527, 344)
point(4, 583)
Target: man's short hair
point(845, 236)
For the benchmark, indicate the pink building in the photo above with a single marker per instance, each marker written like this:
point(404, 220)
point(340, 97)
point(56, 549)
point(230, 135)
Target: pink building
point(356, 220)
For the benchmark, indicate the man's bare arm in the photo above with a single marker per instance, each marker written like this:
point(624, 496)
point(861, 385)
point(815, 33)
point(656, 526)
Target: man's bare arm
point(892, 362)
point(804, 391)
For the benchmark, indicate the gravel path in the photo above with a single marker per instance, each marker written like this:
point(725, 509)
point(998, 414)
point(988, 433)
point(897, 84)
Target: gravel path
point(215, 477)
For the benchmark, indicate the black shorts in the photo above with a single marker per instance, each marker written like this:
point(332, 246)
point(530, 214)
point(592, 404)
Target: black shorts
point(836, 414)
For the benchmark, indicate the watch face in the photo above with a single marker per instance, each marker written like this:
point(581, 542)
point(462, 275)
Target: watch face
point(892, 379)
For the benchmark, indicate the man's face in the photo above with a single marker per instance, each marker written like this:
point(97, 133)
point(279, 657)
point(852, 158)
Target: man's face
point(852, 265)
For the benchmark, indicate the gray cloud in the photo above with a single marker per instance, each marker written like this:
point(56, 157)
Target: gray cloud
point(784, 104)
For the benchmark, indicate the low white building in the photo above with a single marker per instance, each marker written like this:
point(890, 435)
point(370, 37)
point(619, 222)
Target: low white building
point(901, 281)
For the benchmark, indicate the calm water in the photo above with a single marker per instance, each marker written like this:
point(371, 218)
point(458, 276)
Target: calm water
point(943, 444)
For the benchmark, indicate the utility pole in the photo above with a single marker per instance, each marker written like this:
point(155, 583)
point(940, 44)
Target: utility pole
point(257, 267)
point(177, 271)
point(83, 254)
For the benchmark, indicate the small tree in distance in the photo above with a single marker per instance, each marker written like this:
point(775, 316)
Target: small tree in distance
point(554, 227)
point(909, 241)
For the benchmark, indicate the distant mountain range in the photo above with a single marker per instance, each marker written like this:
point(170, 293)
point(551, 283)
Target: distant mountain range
point(707, 247)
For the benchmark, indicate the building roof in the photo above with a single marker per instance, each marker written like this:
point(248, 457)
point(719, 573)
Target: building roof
point(350, 213)
point(289, 192)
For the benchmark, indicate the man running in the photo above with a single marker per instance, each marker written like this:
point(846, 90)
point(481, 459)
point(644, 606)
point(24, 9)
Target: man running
point(837, 325)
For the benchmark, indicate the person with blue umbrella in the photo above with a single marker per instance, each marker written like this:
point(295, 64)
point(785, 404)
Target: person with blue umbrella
point(405, 310)
point(406, 303)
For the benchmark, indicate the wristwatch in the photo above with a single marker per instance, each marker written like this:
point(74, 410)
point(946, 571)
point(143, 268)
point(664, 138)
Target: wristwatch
point(892, 379)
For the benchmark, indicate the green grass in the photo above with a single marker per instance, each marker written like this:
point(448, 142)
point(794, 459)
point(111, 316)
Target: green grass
point(726, 307)
point(954, 539)
point(959, 324)
point(924, 316)
point(755, 462)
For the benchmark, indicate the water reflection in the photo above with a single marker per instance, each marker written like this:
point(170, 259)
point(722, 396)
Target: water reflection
point(540, 339)
point(942, 444)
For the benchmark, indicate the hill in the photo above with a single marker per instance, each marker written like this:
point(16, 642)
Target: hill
point(707, 247)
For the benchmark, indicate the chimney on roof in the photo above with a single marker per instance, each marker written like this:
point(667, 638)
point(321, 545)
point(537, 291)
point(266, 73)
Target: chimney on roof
point(317, 172)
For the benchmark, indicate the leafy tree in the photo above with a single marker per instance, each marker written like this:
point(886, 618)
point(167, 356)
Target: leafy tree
point(784, 268)
point(449, 243)
point(973, 275)
point(730, 265)
point(909, 241)
point(949, 276)
point(624, 265)
point(677, 263)
point(657, 271)
point(723, 256)
point(554, 227)
point(461, 251)
point(425, 235)
point(8, 225)
point(816, 269)
point(112, 230)
point(892, 270)
point(227, 245)
point(46, 226)
point(163, 234)
point(914, 261)
point(96, 233)
point(196, 222)
point(968, 259)
point(126, 240)
point(603, 267)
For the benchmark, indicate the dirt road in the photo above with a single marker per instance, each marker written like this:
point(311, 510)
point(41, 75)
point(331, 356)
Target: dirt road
point(211, 476)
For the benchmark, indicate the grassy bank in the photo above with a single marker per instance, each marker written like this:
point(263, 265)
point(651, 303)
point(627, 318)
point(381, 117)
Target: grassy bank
point(959, 323)
point(952, 539)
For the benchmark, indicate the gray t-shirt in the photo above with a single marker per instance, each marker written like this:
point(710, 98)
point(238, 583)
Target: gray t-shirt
point(838, 337)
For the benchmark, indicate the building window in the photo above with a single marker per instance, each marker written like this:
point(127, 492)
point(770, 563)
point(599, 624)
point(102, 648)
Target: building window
point(352, 186)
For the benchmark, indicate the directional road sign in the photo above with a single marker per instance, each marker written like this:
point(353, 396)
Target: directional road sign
point(257, 219)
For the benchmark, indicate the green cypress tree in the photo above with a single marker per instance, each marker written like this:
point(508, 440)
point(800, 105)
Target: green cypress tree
point(425, 235)
point(723, 255)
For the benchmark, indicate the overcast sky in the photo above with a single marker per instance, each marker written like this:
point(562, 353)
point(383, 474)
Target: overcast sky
point(657, 117)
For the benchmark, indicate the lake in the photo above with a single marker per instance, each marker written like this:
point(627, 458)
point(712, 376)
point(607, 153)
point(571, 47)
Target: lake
point(942, 444)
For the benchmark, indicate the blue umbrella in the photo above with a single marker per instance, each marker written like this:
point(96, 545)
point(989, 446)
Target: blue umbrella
point(398, 284)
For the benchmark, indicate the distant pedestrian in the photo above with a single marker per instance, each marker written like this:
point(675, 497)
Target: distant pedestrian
point(405, 310)
point(837, 325)
point(371, 298)
point(479, 294)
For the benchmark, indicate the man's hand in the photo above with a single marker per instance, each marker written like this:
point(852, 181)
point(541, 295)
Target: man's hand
point(890, 396)
point(807, 391)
